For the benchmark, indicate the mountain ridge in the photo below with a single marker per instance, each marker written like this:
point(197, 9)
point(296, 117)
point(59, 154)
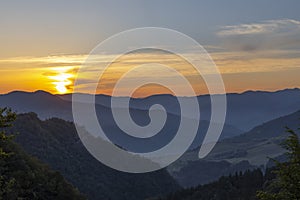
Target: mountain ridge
point(154, 95)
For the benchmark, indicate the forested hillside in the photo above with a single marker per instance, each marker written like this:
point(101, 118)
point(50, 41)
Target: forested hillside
point(25, 177)
point(55, 142)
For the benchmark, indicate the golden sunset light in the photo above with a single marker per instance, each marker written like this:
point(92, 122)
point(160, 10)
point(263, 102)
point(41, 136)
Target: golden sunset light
point(237, 68)
point(62, 80)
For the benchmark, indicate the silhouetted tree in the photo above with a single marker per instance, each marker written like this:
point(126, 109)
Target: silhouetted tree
point(286, 185)
point(6, 119)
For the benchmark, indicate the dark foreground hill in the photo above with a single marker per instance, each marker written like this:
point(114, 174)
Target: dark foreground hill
point(30, 179)
point(25, 177)
point(55, 142)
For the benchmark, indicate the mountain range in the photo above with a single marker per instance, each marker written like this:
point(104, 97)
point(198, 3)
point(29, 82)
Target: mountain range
point(244, 111)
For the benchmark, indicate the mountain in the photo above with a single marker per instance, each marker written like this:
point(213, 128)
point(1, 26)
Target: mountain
point(47, 106)
point(250, 109)
point(259, 143)
point(255, 107)
point(55, 142)
point(41, 102)
point(247, 151)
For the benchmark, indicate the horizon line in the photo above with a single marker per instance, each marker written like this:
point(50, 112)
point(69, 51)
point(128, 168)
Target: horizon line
point(166, 94)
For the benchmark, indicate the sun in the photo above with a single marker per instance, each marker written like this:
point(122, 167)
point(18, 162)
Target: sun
point(62, 80)
point(61, 88)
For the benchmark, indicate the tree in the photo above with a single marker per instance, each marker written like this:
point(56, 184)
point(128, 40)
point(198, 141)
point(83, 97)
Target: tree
point(286, 185)
point(7, 117)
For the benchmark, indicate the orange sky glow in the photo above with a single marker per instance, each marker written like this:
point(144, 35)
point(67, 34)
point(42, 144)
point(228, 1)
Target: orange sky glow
point(43, 45)
point(241, 71)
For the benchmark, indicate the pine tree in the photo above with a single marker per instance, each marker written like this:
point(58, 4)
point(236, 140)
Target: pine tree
point(286, 185)
point(6, 119)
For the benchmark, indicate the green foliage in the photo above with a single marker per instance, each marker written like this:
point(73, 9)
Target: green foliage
point(24, 177)
point(286, 185)
point(6, 119)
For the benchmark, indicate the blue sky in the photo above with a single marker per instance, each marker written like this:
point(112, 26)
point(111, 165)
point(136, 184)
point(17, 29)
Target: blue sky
point(35, 27)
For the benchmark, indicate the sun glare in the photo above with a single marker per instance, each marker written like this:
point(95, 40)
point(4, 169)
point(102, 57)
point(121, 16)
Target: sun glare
point(61, 88)
point(62, 80)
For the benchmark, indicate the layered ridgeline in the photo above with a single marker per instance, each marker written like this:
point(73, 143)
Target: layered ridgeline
point(248, 151)
point(56, 143)
point(47, 106)
point(25, 177)
point(254, 107)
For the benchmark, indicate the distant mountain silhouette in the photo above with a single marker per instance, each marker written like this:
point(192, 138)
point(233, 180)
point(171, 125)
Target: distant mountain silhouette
point(43, 103)
point(47, 106)
point(255, 107)
point(245, 111)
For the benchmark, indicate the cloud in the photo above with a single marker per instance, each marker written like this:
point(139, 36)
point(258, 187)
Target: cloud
point(269, 26)
point(270, 34)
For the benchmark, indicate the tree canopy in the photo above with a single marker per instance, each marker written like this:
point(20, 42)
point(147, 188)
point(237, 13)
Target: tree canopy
point(24, 177)
point(286, 185)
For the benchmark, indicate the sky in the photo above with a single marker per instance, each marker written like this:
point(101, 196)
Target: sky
point(255, 44)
